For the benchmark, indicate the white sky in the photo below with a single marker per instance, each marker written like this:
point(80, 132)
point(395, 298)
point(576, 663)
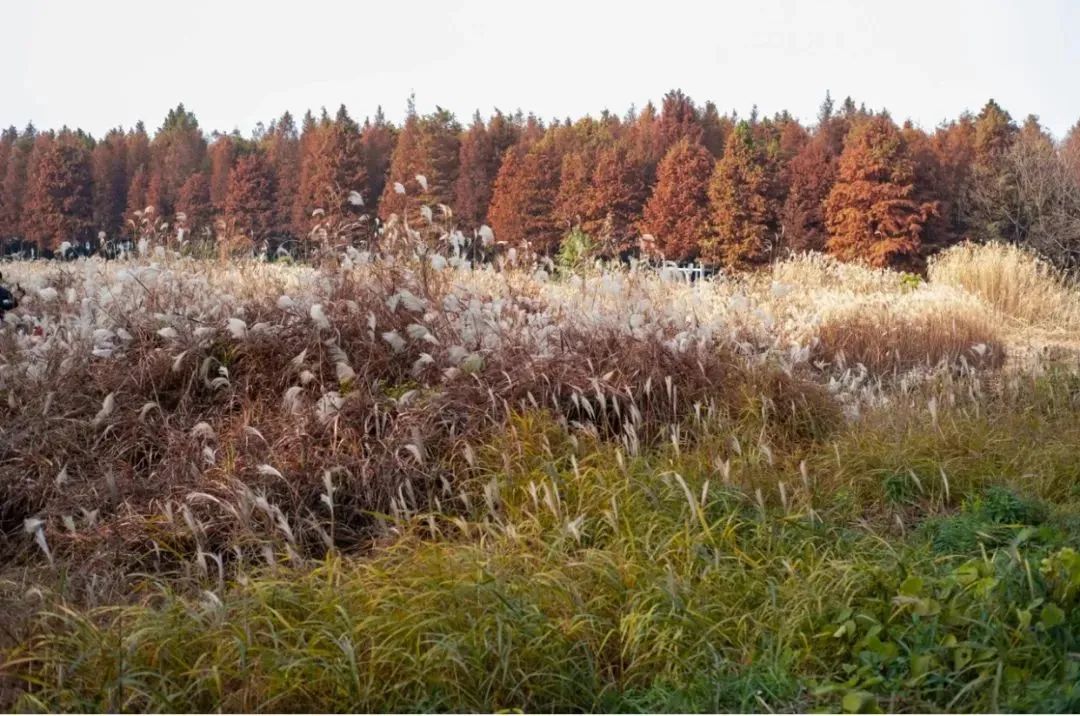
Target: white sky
point(102, 63)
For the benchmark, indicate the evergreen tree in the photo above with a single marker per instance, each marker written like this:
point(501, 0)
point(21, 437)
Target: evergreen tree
point(223, 154)
point(249, 203)
point(523, 200)
point(281, 144)
point(377, 140)
point(742, 194)
point(14, 183)
point(616, 198)
point(176, 152)
point(428, 146)
point(678, 120)
point(59, 200)
point(346, 155)
point(479, 164)
point(194, 202)
point(990, 195)
point(110, 182)
point(871, 212)
point(811, 174)
point(714, 129)
point(677, 213)
point(994, 133)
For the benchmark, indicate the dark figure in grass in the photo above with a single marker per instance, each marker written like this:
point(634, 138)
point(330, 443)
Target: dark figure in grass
point(8, 301)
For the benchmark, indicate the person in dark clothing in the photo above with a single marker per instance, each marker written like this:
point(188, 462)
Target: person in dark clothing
point(8, 301)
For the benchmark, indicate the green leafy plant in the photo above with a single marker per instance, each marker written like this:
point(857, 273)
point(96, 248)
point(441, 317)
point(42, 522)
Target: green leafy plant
point(576, 251)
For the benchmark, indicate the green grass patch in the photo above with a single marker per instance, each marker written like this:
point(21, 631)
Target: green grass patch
point(903, 564)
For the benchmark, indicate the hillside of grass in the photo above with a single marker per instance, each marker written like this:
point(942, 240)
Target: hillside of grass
point(410, 484)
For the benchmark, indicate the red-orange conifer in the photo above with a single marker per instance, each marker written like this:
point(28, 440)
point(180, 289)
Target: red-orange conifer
point(616, 196)
point(523, 201)
point(742, 197)
point(677, 213)
point(59, 202)
point(871, 212)
point(110, 181)
point(811, 174)
point(249, 202)
point(194, 202)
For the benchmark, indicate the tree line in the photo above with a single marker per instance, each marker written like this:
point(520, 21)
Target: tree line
point(695, 183)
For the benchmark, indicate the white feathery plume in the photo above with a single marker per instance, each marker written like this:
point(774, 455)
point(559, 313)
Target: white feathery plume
point(319, 316)
point(238, 328)
point(107, 407)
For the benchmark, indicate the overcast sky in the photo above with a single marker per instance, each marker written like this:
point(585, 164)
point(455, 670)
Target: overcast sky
point(102, 63)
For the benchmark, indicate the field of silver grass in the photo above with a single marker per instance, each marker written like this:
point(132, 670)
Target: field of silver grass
point(197, 422)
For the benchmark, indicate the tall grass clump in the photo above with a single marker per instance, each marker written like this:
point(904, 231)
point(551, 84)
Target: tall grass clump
point(896, 333)
point(1013, 280)
point(815, 271)
point(584, 579)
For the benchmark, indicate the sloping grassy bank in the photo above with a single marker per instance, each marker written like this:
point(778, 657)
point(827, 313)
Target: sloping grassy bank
point(924, 558)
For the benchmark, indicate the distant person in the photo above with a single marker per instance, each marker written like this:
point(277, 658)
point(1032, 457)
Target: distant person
point(8, 301)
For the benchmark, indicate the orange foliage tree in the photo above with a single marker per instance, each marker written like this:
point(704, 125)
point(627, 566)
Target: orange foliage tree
point(579, 145)
point(377, 140)
point(677, 213)
point(13, 182)
point(110, 181)
point(137, 191)
point(871, 212)
point(478, 167)
point(574, 177)
point(428, 146)
point(8, 137)
point(249, 202)
point(943, 164)
point(715, 129)
point(222, 153)
point(138, 170)
point(767, 193)
point(742, 198)
point(59, 203)
point(953, 146)
point(282, 147)
point(678, 120)
point(193, 202)
point(523, 201)
point(333, 167)
point(177, 151)
point(615, 198)
point(811, 174)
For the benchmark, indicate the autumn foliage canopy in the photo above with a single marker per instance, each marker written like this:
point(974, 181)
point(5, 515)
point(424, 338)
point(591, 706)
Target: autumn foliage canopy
point(718, 188)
